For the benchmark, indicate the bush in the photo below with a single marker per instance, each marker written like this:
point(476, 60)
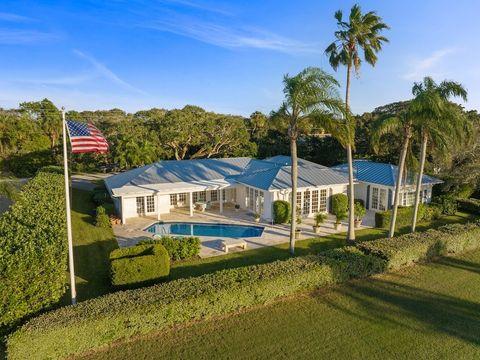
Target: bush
point(447, 203)
point(52, 169)
point(33, 249)
point(281, 211)
point(470, 205)
point(101, 218)
point(340, 206)
point(410, 248)
point(100, 197)
point(178, 248)
point(404, 216)
point(139, 265)
point(359, 209)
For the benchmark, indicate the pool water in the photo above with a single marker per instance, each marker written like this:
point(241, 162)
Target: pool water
point(204, 229)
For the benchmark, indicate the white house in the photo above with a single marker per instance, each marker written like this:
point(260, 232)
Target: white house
point(375, 184)
point(253, 184)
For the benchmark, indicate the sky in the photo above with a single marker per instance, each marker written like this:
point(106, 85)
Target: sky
point(225, 56)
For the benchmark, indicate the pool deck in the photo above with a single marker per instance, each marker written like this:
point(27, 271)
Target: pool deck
point(133, 231)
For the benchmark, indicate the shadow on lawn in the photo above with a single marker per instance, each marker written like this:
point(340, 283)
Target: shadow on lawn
point(397, 304)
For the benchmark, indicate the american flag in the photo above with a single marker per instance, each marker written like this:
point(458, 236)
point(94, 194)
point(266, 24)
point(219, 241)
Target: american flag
point(86, 138)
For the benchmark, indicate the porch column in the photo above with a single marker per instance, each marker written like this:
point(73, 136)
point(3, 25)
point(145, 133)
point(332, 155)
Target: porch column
point(158, 207)
point(144, 206)
point(221, 201)
point(190, 202)
point(122, 210)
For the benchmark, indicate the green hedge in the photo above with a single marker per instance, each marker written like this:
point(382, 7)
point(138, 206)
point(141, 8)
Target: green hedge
point(281, 211)
point(447, 204)
point(404, 216)
point(101, 218)
point(139, 265)
point(100, 321)
point(33, 249)
point(340, 205)
point(470, 205)
point(410, 248)
point(179, 248)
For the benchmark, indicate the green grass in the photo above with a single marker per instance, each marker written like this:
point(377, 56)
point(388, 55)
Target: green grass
point(263, 255)
point(429, 311)
point(92, 247)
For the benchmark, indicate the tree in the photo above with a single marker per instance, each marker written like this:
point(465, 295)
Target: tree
point(438, 120)
point(48, 116)
point(310, 96)
point(402, 123)
point(362, 31)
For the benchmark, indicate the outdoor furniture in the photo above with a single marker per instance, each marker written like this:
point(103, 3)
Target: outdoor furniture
point(200, 205)
point(231, 243)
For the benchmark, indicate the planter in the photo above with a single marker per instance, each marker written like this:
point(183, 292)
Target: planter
point(257, 219)
point(358, 223)
point(298, 232)
point(338, 226)
point(316, 229)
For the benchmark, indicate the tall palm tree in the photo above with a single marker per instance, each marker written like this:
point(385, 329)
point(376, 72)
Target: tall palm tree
point(309, 96)
point(362, 31)
point(402, 123)
point(438, 121)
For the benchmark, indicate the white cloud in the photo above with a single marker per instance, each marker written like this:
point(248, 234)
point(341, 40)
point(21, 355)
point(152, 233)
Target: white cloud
point(425, 66)
point(197, 5)
point(10, 36)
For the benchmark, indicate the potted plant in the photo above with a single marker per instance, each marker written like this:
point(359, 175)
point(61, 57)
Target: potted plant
point(319, 218)
point(338, 220)
point(256, 216)
point(237, 207)
point(298, 231)
point(359, 211)
point(339, 209)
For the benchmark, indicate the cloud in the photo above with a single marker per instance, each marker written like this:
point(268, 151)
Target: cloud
point(421, 67)
point(197, 6)
point(229, 37)
point(106, 72)
point(9, 36)
point(14, 17)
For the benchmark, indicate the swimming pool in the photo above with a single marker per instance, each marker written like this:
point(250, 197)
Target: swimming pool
point(205, 229)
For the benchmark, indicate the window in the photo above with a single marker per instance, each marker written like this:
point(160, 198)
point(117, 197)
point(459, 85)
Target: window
point(202, 196)
point(408, 198)
point(173, 199)
point(383, 200)
point(214, 195)
point(306, 203)
point(262, 200)
point(140, 200)
point(251, 200)
point(314, 201)
point(425, 196)
point(150, 204)
point(299, 200)
point(323, 200)
point(375, 198)
point(195, 197)
point(182, 198)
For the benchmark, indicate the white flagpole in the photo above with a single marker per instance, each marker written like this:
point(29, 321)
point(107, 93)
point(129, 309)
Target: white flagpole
point(67, 206)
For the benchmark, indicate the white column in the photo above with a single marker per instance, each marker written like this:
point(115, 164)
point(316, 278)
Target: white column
point(144, 206)
point(221, 201)
point(158, 207)
point(122, 210)
point(190, 202)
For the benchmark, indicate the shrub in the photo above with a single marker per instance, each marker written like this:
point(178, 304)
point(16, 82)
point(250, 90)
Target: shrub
point(33, 249)
point(340, 206)
point(359, 209)
point(178, 248)
point(410, 248)
point(447, 203)
point(281, 211)
point(54, 169)
point(101, 218)
point(470, 205)
point(100, 197)
point(404, 216)
point(139, 265)
point(319, 218)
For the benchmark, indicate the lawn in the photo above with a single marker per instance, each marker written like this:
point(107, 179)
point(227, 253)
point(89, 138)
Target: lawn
point(429, 311)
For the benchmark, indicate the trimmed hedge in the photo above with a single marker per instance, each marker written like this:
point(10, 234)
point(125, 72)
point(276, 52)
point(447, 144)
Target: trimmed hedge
point(139, 265)
point(96, 322)
point(101, 218)
point(179, 248)
point(414, 247)
point(470, 205)
point(340, 205)
point(404, 216)
point(281, 211)
point(33, 249)
point(447, 203)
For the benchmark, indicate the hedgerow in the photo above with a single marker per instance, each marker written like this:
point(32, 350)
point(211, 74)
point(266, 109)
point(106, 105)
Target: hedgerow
point(33, 249)
point(139, 265)
point(414, 247)
point(470, 205)
point(404, 216)
point(179, 248)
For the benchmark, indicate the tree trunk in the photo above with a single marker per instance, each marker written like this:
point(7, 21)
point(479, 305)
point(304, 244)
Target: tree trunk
point(351, 190)
point(423, 155)
point(398, 185)
point(293, 222)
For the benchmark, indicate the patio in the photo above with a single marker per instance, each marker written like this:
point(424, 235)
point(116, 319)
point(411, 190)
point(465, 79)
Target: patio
point(273, 234)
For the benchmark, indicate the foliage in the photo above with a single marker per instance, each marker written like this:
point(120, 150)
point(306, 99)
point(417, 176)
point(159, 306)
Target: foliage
point(101, 196)
point(101, 218)
point(359, 209)
point(414, 247)
point(446, 203)
point(339, 206)
point(319, 218)
point(469, 205)
point(178, 248)
point(33, 249)
point(281, 211)
point(404, 216)
point(139, 265)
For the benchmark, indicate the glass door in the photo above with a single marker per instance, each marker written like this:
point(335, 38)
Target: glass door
point(140, 205)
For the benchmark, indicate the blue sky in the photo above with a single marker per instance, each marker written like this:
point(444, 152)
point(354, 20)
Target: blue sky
point(226, 56)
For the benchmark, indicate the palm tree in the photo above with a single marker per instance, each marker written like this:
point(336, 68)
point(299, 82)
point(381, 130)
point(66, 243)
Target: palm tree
point(362, 31)
point(309, 96)
point(438, 121)
point(402, 123)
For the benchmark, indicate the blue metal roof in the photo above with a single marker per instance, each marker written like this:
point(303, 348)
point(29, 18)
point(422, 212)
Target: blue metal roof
point(380, 173)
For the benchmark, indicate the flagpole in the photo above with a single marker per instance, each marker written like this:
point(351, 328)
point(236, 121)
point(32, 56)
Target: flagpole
point(67, 208)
